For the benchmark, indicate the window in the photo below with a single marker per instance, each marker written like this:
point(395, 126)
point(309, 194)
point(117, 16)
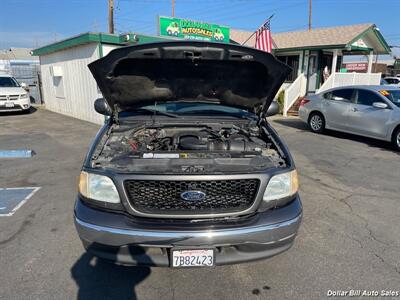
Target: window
point(293, 62)
point(182, 108)
point(365, 97)
point(327, 95)
point(392, 80)
point(59, 87)
point(58, 83)
point(8, 82)
point(393, 96)
point(342, 94)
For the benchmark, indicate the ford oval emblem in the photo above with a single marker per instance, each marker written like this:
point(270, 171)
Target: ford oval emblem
point(193, 196)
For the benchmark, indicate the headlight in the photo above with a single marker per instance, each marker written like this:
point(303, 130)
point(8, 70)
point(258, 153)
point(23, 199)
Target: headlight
point(23, 96)
point(281, 186)
point(98, 187)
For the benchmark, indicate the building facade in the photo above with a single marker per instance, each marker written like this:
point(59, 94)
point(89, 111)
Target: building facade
point(316, 57)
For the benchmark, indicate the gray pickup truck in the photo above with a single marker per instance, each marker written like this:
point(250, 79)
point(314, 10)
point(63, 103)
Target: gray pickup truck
point(187, 171)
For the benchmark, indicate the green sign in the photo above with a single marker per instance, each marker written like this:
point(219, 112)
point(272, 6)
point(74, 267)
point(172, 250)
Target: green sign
point(193, 30)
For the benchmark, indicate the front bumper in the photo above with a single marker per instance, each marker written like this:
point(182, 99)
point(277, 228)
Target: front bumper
point(113, 236)
point(19, 105)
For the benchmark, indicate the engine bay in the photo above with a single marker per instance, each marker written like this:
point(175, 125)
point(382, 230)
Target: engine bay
point(183, 148)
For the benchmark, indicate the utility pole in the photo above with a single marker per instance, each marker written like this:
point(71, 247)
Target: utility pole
point(111, 16)
point(309, 14)
point(173, 8)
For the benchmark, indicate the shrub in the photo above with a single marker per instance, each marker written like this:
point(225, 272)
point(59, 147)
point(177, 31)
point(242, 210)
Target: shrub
point(281, 100)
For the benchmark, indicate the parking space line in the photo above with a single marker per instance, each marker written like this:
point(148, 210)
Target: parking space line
point(16, 153)
point(20, 203)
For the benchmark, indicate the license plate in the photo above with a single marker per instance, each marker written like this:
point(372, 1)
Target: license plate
point(193, 258)
point(9, 104)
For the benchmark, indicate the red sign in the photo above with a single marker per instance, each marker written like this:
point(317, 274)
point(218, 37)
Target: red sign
point(356, 67)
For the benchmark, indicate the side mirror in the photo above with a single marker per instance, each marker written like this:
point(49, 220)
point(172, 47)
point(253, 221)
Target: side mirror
point(24, 86)
point(273, 109)
point(101, 106)
point(380, 105)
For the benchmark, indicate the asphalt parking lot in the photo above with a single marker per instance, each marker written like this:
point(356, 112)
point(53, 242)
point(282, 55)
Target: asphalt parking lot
point(349, 238)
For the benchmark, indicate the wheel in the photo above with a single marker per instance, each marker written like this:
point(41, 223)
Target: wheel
point(316, 121)
point(396, 139)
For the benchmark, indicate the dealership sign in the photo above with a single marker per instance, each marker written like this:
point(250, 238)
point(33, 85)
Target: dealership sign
point(356, 67)
point(193, 30)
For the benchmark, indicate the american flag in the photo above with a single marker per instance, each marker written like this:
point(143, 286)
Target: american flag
point(263, 37)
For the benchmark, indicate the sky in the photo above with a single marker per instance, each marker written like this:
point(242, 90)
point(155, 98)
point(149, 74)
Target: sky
point(34, 23)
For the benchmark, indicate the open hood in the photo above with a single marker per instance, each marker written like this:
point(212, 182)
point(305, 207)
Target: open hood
point(227, 74)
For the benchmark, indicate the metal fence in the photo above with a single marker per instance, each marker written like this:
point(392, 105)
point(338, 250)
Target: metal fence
point(29, 74)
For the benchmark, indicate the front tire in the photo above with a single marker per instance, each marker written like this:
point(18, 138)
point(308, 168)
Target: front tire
point(396, 139)
point(316, 121)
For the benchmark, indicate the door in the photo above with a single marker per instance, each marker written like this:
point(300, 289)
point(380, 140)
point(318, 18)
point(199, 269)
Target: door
point(365, 119)
point(336, 108)
point(312, 74)
point(325, 67)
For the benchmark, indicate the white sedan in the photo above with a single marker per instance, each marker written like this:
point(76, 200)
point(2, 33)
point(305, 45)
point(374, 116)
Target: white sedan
point(393, 80)
point(12, 96)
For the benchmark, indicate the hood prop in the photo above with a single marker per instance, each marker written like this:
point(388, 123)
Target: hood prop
point(115, 114)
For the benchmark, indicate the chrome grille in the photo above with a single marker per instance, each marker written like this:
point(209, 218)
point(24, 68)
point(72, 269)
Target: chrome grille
point(165, 196)
point(9, 97)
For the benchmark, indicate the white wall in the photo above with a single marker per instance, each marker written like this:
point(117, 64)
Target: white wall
point(108, 48)
point(79, 87)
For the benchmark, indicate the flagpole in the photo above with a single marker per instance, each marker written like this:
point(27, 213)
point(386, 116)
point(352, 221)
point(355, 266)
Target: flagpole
point(256, 30)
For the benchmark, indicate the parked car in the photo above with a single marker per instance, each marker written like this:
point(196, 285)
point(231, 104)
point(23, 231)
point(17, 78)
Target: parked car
point(392, 81)
point(187, 172)
point(372, 111)
point(13, 97)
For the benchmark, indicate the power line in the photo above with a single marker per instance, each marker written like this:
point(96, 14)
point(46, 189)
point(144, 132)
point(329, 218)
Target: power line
point(260, 12)
point(233, 12)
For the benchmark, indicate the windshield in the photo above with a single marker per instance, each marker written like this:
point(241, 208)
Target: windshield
point(195, 108)
point(8, 82)
point(393, 96)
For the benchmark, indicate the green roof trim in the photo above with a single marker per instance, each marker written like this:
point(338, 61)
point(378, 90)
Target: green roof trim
point(370, 29)
point(81, 39)
point(382, 40)
point(355, 48)
point(378, 35)
point(319, 47)
point(150, 39)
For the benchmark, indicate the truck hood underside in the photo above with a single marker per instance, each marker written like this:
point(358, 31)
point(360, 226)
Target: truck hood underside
point(225, 74)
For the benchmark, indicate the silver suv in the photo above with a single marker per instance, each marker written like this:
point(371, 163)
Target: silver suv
point(187, 172)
